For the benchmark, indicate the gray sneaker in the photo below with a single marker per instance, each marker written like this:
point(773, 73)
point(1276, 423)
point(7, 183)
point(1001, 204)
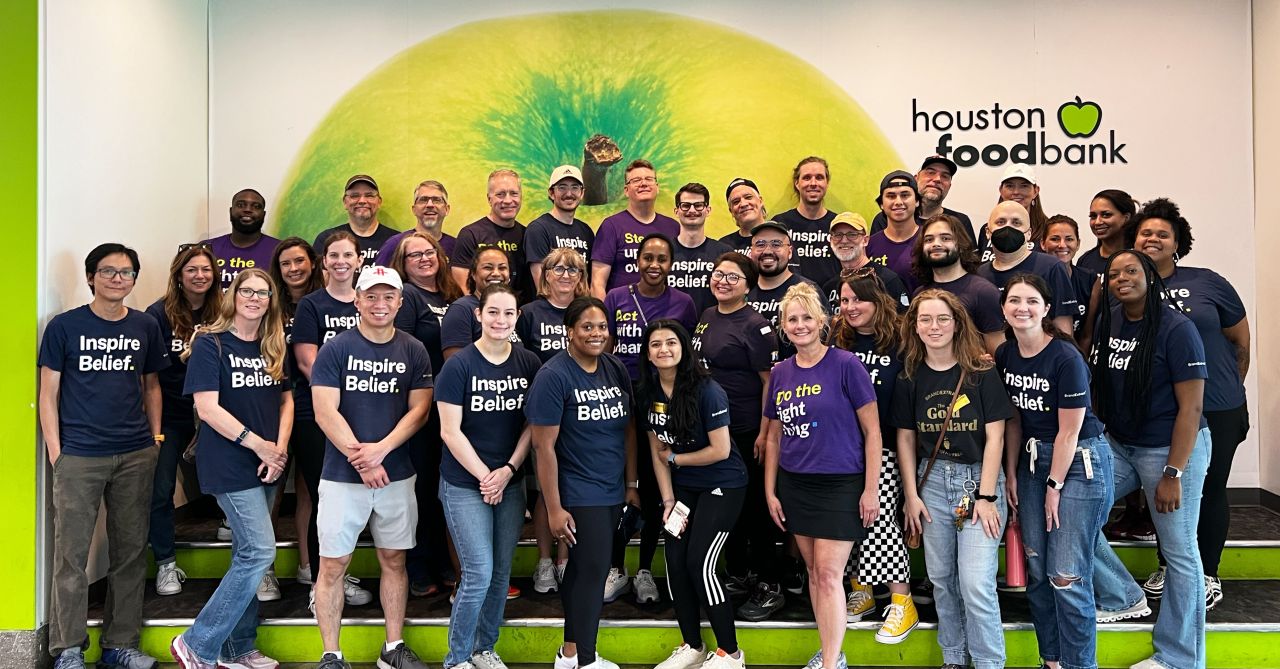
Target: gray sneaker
point(331, 661)
point(646, 590)
point(126, 658)
point(71, 658)
point(487, 659)
point(169, 579)
point(400, 657)
point(544, 577)
point(269, 587)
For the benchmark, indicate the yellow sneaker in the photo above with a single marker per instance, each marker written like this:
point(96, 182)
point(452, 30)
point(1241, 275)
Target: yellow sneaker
point(900, 617)
point(860, 603)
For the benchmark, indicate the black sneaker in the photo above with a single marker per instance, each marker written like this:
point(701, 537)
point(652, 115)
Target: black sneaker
point(400, 657)
point(793, 581)
point(740, 586)
point(764, 602)
point(331, 661)
point(922, 592)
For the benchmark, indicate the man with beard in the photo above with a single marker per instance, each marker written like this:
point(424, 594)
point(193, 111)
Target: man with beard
point(849, 246)
point(430, 206)
point(558, 227)
point(362, 201)
point(747, 209)
point(892, 247)
point(771, 251)
point(934, 181)
point(497, 228)
point(810, 222)
point(245, 246)
point(945, 258)
point(695, 255)
point(1007, 228)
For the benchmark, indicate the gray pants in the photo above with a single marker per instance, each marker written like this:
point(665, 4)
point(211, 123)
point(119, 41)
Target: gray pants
point(80, 486)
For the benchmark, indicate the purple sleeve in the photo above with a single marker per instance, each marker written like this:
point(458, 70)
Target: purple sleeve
point(611, 310)
point(389, 249)
point(857, 383)
point(606, 246)
point(688, 316)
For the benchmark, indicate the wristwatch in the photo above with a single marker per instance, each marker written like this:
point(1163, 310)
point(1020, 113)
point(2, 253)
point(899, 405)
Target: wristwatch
point(1172, 472)
point(1054, 483)
point(671, 461)
point(633, 484)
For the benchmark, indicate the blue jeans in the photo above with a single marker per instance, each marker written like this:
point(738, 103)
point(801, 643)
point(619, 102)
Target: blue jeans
point(177, 434)
point(227, 627)
point(485, 536)
point(1178, 636)
point(962, 567)
point(1064, 614)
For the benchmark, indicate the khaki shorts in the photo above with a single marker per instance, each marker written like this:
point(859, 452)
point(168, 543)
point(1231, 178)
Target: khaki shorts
point(391, 514)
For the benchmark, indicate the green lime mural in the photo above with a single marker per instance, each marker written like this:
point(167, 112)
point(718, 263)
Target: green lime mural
point(596, 89)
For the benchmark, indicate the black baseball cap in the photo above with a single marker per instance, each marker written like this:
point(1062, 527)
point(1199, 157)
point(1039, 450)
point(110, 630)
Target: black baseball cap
point(359, 178)
point(935, 158)
point(771, 225)
point(740, 182)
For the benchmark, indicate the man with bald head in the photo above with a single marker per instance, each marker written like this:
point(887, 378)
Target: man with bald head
point(245, 246)
point(1007, 228)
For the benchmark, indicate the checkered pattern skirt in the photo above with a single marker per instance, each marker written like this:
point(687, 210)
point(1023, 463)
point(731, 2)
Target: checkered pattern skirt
point(882, 556)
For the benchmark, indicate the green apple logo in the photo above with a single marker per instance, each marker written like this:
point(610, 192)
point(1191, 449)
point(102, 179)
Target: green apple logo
point(1079, 119)
point(594, 88)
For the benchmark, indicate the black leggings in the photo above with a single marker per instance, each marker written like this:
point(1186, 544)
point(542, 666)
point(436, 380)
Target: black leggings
point(307, 444)
point(753, 544)
point(581, 591)
point(428, 561)
point(691, 564)
point(650, 507)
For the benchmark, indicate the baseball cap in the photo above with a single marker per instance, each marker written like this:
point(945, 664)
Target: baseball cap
point(740, 182)
point(898, 178)
point(770, 225)
point(851, 219)
point(935, 158)
point(565, 172)
point(1019, 171)
point(374, 275)
point(357, 179)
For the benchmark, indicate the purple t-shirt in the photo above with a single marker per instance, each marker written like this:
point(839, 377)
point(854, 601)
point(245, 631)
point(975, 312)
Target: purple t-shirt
point(232, 258)
point(618, 244)
point(897, 256)
point(388, 249)
point(629, 313)
point(817, 407)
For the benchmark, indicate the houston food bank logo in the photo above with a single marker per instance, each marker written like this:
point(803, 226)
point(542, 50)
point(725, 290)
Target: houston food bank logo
point(1078, 120)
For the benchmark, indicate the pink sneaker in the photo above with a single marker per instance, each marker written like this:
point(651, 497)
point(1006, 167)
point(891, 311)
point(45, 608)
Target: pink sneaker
point(185, 657)
point(252, 660)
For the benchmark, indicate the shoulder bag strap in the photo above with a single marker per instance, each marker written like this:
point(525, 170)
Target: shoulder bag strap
point(946, 423)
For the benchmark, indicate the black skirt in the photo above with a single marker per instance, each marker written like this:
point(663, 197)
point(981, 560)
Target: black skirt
point(822, 506)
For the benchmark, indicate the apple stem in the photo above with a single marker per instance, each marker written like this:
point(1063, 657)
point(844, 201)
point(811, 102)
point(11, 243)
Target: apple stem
point(595, 186)
point(1079, 101)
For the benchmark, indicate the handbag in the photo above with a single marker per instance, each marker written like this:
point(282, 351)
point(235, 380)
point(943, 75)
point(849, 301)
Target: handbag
point(914, 539)
point(189, 453)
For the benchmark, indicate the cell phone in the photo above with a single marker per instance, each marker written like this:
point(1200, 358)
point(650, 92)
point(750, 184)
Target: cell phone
point(630, 522)
point(676, 520)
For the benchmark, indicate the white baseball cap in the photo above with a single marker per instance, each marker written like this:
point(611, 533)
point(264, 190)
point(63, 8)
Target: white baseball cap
point(374, 275)
point(1019, 171)
point(565, 172)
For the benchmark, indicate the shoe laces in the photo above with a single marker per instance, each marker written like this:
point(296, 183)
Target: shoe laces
point(174, 572)
point(126, 656)
point(857, 598)
point(893, 615)
point(763, 592)
point(491, 658)
point(350, 583)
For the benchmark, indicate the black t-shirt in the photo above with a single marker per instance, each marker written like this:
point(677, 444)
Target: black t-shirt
point(369, 246)
point(735, 348)
point(541, 328)
point(691, 271)
point(421, 314)
point(177, 408)
point(546, 233)
point(485, 232)
point(893, 286)
point(883, 368)
point(737, 242)
point(713, 414)
point(492, 398)
point(811, 245)
point(768, 303)
point(921, 403)
point(320, 317)
point(980, 298)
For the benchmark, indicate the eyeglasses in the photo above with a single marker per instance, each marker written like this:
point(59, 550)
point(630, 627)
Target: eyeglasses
point(847, 235)
point(727, 277)
point(111, 273)
point(247, 293)
point(561, 270)
point(860, 273)
point(641, 180)
point(694, 206)
point(419, 255)
point(430, 199)
point(568, 188)
point(193, 245)
point(942, 321)
point(762, 244)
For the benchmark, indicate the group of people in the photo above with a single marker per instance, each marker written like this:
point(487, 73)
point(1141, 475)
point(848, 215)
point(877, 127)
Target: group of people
point(806, 398)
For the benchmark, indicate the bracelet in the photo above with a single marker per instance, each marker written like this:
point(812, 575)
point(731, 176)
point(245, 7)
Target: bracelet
point(668, 501)
point(240, 439)
point(634, 485)
point(512, 468)
point(158, 438)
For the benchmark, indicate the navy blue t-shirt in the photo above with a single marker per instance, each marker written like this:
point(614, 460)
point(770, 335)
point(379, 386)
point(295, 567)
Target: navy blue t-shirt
point(735, 348)
point(541, 328)
point(547, 233)
point(739, 242)
point(1055, 378)
point(421, 315)
point(592, 411)
point(1046, 267)
point(1213, 305)
point(1093, 261)
point(1082, 283)
point(238, 373)
point(374, 381)
point(492, 398)
point(485, 232)
point(691, 270)
point(460, 327)
point(368, 246)
point(768, 303)
point(811, 254)
point(320, 317)
point(893, 286)
point(713, 414)
point(1179, 356)
point(883, 368)
point(980, 298)
point(100, 407)
point(177, 407)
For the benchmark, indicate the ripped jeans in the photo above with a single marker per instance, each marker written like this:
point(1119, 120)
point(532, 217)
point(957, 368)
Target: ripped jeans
point(1060, 562)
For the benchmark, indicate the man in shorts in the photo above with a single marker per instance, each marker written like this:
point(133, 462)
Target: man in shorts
point(371, 387)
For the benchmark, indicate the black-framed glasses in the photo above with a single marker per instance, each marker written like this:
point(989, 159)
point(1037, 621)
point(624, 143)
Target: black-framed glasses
point(247, 293)
point(112, 272)
point(727, 277)
point(692, 206)
point(561, 270)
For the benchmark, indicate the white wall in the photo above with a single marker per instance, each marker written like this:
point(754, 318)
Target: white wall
point(1266, 146)
point(125, 143)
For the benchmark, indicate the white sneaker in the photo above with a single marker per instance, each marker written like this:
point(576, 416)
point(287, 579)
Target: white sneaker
point(646, 590)
point(1148, 663)
point(1139, 610)
point(616, 585)
point(683, 657)
point(487, 659)
point(560, 567)
point(356, 595)
point(304, 575)
point(563, 662)
point(169, 578)
point(269, 588)
point(721, 660)
point(544, 577)
point(600, 663)
point(224, 531)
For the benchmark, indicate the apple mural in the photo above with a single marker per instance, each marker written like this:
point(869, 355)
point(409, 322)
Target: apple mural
point(1079, 119)
point(597, 88)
